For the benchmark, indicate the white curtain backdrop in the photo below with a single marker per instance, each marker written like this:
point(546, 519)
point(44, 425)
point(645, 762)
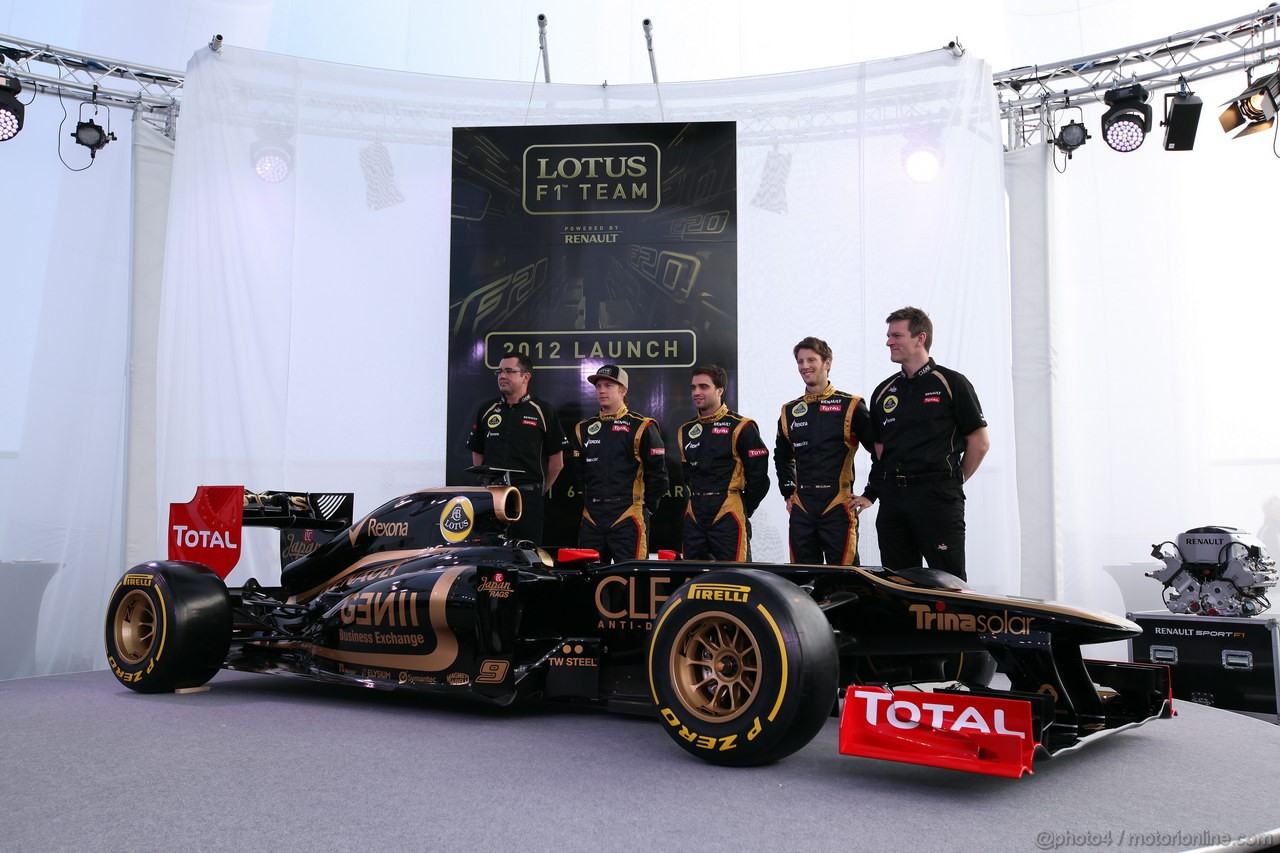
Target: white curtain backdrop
point(64, 309)
point(303, 323)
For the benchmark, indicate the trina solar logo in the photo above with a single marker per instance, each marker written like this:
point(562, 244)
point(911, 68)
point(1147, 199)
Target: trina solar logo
point(931, 619)
point(618, 177)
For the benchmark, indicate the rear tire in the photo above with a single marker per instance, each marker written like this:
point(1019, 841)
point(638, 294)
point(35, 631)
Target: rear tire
point(743, 667)
point(168, 627)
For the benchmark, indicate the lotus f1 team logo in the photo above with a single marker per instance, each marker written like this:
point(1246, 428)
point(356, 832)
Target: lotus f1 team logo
point(456, 519)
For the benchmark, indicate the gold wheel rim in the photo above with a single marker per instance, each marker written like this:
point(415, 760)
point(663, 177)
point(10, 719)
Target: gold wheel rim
point(134, 627)
point(715, 667)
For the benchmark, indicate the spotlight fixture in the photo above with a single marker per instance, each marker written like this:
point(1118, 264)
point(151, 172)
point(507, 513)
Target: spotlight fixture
point(272, 161)
point(89, 133)
point(1128, 122)
point(1072, 135)
point(921, 159)
point(1255, 107)
point(1181, 119)
point(11, 109)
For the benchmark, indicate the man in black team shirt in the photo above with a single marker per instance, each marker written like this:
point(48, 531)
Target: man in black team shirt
point(519, 431)
point(813, 456)
point(930, 437)
point(726, 470)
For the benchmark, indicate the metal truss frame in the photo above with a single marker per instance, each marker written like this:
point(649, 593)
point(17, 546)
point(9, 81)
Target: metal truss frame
point(1029, 96)
point(150, 93)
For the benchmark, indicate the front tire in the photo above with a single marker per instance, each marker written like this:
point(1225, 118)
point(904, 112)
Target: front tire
point(743, 667)
point(168, 627)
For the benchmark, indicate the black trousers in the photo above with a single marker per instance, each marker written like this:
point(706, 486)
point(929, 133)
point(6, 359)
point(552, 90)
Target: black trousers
point(706, 537)
point(922, 523)
point(823, 529)
point(617, 535)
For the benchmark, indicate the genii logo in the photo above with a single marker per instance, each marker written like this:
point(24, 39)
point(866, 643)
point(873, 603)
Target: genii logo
point(456, 519)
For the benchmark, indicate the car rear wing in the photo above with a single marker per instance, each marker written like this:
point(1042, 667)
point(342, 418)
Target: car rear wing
point(207, 529)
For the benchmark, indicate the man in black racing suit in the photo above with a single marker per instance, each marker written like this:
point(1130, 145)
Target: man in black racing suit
point(621, 462)
point(726, 472)
point(813, 457)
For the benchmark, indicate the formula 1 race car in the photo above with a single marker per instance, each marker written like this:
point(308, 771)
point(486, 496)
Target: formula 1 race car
point(741, 663)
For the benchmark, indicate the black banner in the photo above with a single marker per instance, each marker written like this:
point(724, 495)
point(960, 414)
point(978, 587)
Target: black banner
point(583, 245)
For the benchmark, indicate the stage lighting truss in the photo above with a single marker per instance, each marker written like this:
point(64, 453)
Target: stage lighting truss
point(1030, 96)
point(150, 94)
point(11, 109)
point(1255, 107)
point(1128, 121)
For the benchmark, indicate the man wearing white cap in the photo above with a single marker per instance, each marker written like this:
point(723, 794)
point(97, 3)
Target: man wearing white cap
point(621, 463)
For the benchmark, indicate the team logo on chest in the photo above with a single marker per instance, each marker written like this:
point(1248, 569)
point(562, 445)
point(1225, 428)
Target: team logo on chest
point(494, 420)
point(594, 428)
point(890, 403)
point(800, 409)
point(695, 431)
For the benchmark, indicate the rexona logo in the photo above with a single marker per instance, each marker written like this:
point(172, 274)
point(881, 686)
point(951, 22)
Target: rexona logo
point(373, 527)
point(929, 619)
point(619, 177)
point(719, 592)
point(456, 519)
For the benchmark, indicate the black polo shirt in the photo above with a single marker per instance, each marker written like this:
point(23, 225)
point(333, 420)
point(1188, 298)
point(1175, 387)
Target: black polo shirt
point(519, 436)
point(923, 421)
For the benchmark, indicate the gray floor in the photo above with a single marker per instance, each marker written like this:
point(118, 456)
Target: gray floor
point(270, 763)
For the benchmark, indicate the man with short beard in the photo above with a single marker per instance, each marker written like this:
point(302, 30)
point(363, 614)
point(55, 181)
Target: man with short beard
point(519, 431)
point(726, 472)
point(818, 433)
